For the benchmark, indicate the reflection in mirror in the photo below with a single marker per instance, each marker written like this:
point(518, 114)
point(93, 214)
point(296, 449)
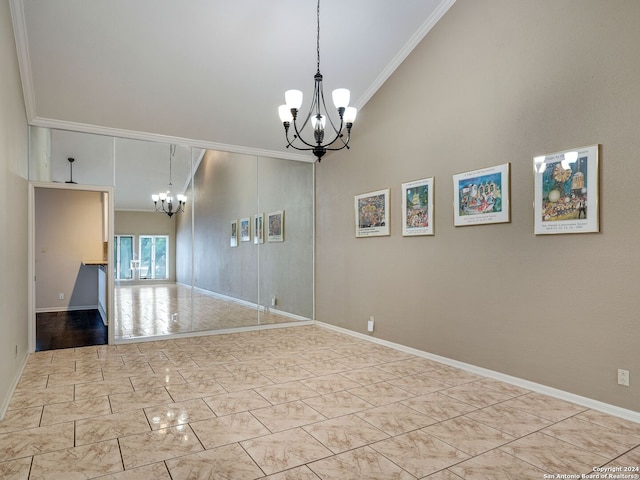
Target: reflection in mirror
point(50, 150)
point(240, 277)
point(180, 273)
point(145, 243)
point(285, 267)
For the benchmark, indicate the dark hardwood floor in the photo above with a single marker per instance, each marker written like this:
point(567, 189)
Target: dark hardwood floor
point(79, 328)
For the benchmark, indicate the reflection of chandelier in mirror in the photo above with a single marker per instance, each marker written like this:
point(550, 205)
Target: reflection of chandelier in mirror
point(318, 114)
point(166, 199)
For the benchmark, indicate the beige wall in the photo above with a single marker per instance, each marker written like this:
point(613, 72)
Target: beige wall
point(498, 81)
point(149, 223)
point(68, 231)
point(13, 214)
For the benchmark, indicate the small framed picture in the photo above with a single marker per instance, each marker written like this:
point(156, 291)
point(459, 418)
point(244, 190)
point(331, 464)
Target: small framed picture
point(234, 233)
point(417, 207)
point(481, 196)
point(275, 226)
point(566, 192)
point(258, 228)
point(245, 229)
point(372, 214)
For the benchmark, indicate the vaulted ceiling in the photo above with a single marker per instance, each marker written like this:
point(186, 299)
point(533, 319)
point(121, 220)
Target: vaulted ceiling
point(205, 73)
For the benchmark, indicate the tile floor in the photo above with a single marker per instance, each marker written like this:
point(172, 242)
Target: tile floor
point(297, 403)
point(148, 310)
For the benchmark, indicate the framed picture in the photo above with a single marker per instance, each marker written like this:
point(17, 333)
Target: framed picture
point(417, 207)
point(245, 229)
point(258, 228)
point(275, 226)
point(372, 214)
point(481, 196)
point(566, 192)
point(234, 233)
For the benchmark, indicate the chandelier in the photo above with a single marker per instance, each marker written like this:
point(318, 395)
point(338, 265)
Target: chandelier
point(166, 199)
point(318, 115)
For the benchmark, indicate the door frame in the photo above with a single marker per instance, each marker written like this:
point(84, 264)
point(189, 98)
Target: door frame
point(108, 227)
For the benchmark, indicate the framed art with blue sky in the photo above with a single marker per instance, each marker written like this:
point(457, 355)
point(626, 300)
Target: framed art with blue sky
point(481, 196)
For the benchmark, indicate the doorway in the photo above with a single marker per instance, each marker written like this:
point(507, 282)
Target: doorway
point(70, 256)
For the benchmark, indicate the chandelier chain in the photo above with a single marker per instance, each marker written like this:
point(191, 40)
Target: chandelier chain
point(318, 35)
point(172, 152)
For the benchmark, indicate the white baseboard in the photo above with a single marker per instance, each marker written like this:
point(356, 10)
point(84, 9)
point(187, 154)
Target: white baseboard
point(66, 309)
point(248, 304)
point(206, 333)
point(624, 413)
point(10, 391)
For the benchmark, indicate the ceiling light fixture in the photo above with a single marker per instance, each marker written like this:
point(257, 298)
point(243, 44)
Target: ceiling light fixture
point(318, 114)
point(71, 160)
point(165, 198)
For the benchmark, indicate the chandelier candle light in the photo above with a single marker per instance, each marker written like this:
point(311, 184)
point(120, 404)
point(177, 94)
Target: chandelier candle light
point(165, 198)
point(318, 114)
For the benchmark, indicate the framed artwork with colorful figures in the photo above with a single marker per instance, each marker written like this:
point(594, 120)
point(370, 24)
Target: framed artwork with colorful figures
point(372, 214)
point(275, 226)
point(481, 196)
point(417, 207)
point(566, 192)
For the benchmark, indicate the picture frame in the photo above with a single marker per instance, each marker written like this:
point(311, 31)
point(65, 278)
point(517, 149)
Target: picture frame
point(275, 226)
point(372, 214)
point(417, 207)
point(566, 195)
point(258, 228)
point(234, 233)
point(482, 196)
point(245, 229)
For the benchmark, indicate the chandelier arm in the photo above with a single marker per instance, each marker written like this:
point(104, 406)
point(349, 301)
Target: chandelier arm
point(314, 106)
point(291, 144)
point(336, 130)
point(345, 144)
point(299, 137)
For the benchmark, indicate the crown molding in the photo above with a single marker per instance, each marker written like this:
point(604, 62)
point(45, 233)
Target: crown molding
point(26, 76)
point(22, 50)
point(155, 137)
point(417, 37)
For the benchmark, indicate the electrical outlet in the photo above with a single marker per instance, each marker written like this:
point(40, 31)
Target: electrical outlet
point(274, 301)
point(623, 377)
point(61, 296)
point(370, 324)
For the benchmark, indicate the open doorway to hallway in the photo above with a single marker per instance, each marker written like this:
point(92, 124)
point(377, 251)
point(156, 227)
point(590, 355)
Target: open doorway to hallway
point(70, 266)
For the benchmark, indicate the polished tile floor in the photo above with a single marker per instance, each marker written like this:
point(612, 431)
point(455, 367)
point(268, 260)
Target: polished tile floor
point(165, 309)
point(299, 402)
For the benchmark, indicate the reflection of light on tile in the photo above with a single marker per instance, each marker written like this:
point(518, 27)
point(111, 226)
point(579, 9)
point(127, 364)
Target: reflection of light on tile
point(142, 311)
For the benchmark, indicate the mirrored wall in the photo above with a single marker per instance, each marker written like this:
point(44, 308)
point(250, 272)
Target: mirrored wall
point(240, 254)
